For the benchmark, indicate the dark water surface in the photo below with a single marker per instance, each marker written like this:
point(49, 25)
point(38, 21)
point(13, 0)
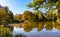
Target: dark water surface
point(38, 29)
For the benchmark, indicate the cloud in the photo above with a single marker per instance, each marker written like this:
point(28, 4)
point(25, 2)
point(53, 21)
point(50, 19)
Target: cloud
point(3, 2)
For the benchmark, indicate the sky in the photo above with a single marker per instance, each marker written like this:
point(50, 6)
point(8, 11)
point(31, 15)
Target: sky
point(16, 6)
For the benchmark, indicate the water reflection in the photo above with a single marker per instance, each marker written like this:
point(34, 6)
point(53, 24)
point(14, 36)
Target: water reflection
point(40, 26)
point(49, 26)
point(28, 26)
point(51, 29)
point(35, 33)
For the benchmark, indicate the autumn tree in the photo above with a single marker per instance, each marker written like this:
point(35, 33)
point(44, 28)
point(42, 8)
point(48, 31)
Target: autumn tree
point(16, 17)
point(27, 15)
point(5, 14)
point(20, 16)
point(48, 15)
point(36, 5)
point(9, 13)
point(47, 4)
point(39, 15)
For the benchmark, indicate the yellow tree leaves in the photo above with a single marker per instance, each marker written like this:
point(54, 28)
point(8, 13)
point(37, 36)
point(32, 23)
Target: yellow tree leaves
point(27, 15)
point(39, 14)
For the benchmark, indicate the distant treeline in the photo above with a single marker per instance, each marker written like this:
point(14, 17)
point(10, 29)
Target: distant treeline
point(7, 16)
point(36, 16)
point(52, 12)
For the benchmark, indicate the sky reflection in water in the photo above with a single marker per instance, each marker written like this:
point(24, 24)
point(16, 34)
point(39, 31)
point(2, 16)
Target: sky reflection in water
point(53, 32)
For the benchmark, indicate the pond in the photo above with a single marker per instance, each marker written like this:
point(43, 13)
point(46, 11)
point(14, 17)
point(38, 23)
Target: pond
point(38, 29)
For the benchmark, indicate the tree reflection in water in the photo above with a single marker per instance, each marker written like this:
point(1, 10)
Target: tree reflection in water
point(40, 26)
point(48, 25)
point(28, 26)
point(57, 26)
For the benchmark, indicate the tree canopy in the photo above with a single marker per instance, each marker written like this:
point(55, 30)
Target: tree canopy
point(5, 14)
point(39, 3)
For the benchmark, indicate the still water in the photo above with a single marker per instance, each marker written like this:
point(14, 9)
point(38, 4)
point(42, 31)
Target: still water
point(38, 29)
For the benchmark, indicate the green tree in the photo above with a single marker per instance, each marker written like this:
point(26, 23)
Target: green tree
point(5, 14)
point(39, 15)
point(36, 4)
point(47, 4)
point(56, 3)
